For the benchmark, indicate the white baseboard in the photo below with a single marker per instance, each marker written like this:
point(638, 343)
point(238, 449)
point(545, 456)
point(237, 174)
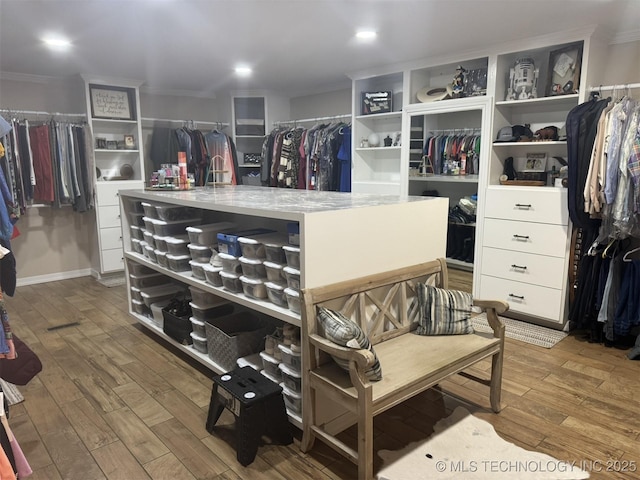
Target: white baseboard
point(52, 277)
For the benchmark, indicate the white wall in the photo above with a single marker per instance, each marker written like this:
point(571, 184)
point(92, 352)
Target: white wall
point(321, 105)
point(623, 64)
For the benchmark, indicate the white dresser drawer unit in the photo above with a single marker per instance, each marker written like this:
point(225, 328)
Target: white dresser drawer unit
point(524, 298)
point(112, 260)
point(109, 216)
point(535, 204)
point(107, 192)
point(524, 267)
point(536, 238)
point(110, 238)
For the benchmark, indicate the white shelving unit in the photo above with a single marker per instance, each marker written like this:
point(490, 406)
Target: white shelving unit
point(119, 165)
point(342, 236)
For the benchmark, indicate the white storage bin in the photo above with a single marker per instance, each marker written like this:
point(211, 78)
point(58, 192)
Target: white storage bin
point(140, 269)
point(273, 250)
point(293, 300)
point(178, 227)
point(255, 247)
point(292, 400)
point(177, 245)
point(161, 258)
point(197, 269)
point(149, 210)
point(290, 358)
point(291, 378)
point(136, 218)
point(159, 293)
point(207, 234)
point(172, 213)
point(199, 343)
point(254, 361)
point(150, 253)
point(179, 263)
point(203, 298)
point(148, 280)
point(160, 242)
point(292, 255)
point(230, 263)
point(275, 294)
point(149, 224)
point(148, 237)
point(252, 268)
point(139, 307)
point(212, 275)
point(135, 293)
point(136, 232)
point(293, 277)
point(199, 253)
point(270, 377)
point(274, 272)
point(253, 287)
point(270, 365)
point(209, 312)
point(156, 313)
point(231, 281)
point(198, 327)
point(135, 245)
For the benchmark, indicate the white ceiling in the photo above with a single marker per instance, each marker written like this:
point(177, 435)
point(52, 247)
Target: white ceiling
point(294, 46)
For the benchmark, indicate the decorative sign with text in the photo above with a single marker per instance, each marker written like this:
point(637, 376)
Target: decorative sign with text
point(112, 102)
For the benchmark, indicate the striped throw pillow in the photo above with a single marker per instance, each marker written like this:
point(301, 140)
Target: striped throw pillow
point(443, 312)
point(340, 330)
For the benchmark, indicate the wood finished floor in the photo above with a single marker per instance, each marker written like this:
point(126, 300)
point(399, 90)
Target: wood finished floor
point(113, 402)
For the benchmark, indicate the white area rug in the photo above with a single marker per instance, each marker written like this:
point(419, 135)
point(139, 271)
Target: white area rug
point(526, 332)
point(465, 447)
point(112, 280)
point(11, 392)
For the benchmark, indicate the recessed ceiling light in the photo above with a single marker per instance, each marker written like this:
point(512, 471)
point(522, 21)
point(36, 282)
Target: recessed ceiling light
point(366, 34)
point(243, 71)
point(57, 42)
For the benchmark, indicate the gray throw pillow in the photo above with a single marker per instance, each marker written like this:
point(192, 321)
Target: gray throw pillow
point(340, 330)
point(443, 312)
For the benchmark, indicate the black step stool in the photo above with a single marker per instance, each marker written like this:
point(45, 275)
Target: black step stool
point(258, 406)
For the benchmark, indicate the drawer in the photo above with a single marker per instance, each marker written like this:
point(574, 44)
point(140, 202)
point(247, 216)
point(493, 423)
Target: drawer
point(536, 204)
point(112, 260)
point(107, 192)
point(110, 238)
point(524, 267)
point(524, 298)
point(537, 238)
point(109, 216)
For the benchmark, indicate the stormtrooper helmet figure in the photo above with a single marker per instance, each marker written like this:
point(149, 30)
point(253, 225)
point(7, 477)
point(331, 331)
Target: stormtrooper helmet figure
point(523, 80)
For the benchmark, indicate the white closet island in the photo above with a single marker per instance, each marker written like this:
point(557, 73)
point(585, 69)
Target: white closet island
point(342, 236)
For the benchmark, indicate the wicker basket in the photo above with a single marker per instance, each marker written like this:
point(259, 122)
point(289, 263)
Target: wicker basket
point(233, 336)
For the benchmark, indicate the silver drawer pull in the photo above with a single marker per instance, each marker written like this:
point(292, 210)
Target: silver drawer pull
point(523, 205)
point(519, 297)
point(521, 267)
point(521, 237)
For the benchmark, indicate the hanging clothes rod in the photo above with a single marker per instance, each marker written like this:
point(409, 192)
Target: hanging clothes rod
point(34, 112)
point(173, 120)
point(454, 130)
point(615, 87)
point(316, 119)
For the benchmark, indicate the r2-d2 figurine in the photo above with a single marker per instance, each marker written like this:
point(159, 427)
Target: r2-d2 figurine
point(523, 80)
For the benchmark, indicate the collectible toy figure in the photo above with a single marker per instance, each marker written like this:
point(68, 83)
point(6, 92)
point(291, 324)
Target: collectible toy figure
point(523, 80)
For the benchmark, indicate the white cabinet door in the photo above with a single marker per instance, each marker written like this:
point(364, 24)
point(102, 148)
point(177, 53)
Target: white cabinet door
point(112, 260)
point(111, 238)
point(109, 216)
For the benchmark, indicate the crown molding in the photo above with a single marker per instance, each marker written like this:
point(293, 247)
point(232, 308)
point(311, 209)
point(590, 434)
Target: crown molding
point(627, 36)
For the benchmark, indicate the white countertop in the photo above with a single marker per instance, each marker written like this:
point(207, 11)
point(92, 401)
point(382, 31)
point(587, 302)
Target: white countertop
point(281, 202)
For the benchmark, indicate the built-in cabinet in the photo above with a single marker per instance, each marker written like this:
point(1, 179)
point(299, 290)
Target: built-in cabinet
point(249, 130)
point(521, 231)
point(339, 237)
point(113, 113)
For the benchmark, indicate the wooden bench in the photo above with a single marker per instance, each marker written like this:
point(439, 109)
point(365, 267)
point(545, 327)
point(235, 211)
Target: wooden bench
point(383, 305)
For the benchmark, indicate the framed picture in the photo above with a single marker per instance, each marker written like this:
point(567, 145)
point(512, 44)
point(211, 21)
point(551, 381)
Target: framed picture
point(129, 143)
point(376, 102)
point(563, 75)
point(112, 144)
point(113, 103)
point(536, 162)
point(101, 143)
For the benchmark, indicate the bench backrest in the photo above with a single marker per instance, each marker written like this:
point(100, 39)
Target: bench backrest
point(384, 305)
